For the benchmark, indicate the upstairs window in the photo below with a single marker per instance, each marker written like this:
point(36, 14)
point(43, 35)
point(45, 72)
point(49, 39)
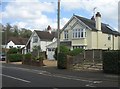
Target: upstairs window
point(10, 46)
point(18, 47)
point(79, 33)
point(35, 39)
point(109, 37)
point(66, 34)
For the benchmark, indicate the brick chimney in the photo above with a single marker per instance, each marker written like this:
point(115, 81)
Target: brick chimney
point(98, 21)
point(49, 29)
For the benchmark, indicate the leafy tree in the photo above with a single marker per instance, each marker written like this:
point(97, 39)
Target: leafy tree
point(25, 33)
point(16, 31)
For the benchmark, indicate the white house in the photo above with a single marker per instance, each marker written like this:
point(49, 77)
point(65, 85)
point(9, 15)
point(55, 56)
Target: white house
point(80, 32)
point(41, 39)
point(90, 33)
point(14, 42)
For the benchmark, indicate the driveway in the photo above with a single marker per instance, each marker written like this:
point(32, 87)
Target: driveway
point(50, 63)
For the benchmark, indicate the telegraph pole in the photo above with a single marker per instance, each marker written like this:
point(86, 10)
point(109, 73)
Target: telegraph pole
point(58, 27)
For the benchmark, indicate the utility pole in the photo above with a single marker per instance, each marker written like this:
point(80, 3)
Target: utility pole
point(58, 27)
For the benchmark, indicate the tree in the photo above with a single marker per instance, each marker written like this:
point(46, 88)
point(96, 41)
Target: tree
point(16, 31)
point(25, 33)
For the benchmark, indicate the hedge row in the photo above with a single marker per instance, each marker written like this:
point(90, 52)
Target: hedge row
point(62, 61)
point(111, 62)
point(15, 57)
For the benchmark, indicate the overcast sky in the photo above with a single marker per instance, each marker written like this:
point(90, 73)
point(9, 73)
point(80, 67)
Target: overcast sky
point(38, 14)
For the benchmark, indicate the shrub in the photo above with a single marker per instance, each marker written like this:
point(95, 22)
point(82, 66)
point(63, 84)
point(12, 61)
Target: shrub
point(28, 56)
point(111, 62)
point(76, 51)
point(63, 49)
point(62, 62)
point(13, 51)
point(15, 57)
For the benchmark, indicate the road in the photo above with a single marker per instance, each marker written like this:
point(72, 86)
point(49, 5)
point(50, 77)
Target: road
point(25, 76)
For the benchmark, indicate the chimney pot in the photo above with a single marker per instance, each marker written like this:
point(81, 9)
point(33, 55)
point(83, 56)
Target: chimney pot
point(98, 14)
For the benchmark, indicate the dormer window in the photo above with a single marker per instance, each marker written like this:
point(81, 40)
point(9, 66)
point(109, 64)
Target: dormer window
point(66, 34)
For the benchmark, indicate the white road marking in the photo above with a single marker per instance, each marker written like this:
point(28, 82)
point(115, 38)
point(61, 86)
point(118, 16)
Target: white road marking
point(25, 69)
point(15, 78)
point(67, 77)
point(89, 85)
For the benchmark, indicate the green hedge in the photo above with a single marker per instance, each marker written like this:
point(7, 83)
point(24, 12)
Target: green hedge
point(63, 49)
point(28, 56)
point(111, 62)
point(76, 51)
point(62, 61)
point(15, 57)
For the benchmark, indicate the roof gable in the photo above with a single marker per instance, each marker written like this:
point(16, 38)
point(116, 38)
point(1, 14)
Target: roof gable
point(44, 35)
point(91, 24)
point(18, 41)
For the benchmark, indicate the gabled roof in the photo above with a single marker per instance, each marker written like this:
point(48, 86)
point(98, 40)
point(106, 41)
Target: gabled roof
point(44, 35)
point(91, 23)
point(15, 40)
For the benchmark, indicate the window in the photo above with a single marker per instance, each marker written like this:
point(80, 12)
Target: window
point(66, 34)
point(74, 47)
point(79, 33)
point(109, 37)
point(35, 39)
point(10, 46)
point(18, 47)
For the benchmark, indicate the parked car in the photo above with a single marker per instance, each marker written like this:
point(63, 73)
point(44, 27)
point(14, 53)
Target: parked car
point(2, 56)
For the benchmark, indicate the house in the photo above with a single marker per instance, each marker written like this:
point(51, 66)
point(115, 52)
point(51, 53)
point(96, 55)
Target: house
point(90, 33)
point(41, 39)
point(80, 32)
point(14, 42)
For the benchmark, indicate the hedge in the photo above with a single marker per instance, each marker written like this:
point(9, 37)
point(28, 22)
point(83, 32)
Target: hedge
point(63, 49)
point(111, 62)
point(15, 57)
point(62, 62)
point(28, 56)
point(76, 51)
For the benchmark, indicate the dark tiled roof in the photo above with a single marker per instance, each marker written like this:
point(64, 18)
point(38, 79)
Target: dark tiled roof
point(66, 43)
point(44, 35)
point(91, 23)
point(15, 40)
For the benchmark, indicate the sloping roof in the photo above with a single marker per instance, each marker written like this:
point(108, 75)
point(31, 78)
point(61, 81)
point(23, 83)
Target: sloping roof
point(15, 40)
point(66, 43)
point(91, 24)
point(44, 35)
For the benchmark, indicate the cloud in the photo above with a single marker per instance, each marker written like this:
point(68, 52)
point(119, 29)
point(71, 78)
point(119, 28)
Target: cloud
point(32, 13)
point(27, 10)
point(108, 8)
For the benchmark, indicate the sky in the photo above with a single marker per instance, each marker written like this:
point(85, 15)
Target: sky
point(38, 14)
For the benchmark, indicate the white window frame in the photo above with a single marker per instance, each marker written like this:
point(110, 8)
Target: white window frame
point(66, 34)
point(78, 33)
point(35, 39)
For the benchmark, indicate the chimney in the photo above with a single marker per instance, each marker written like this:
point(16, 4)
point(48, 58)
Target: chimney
point(49, 29)
point(98, 21)
point(93, 18)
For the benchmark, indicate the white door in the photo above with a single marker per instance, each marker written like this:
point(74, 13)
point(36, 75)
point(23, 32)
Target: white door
point(51, 54)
